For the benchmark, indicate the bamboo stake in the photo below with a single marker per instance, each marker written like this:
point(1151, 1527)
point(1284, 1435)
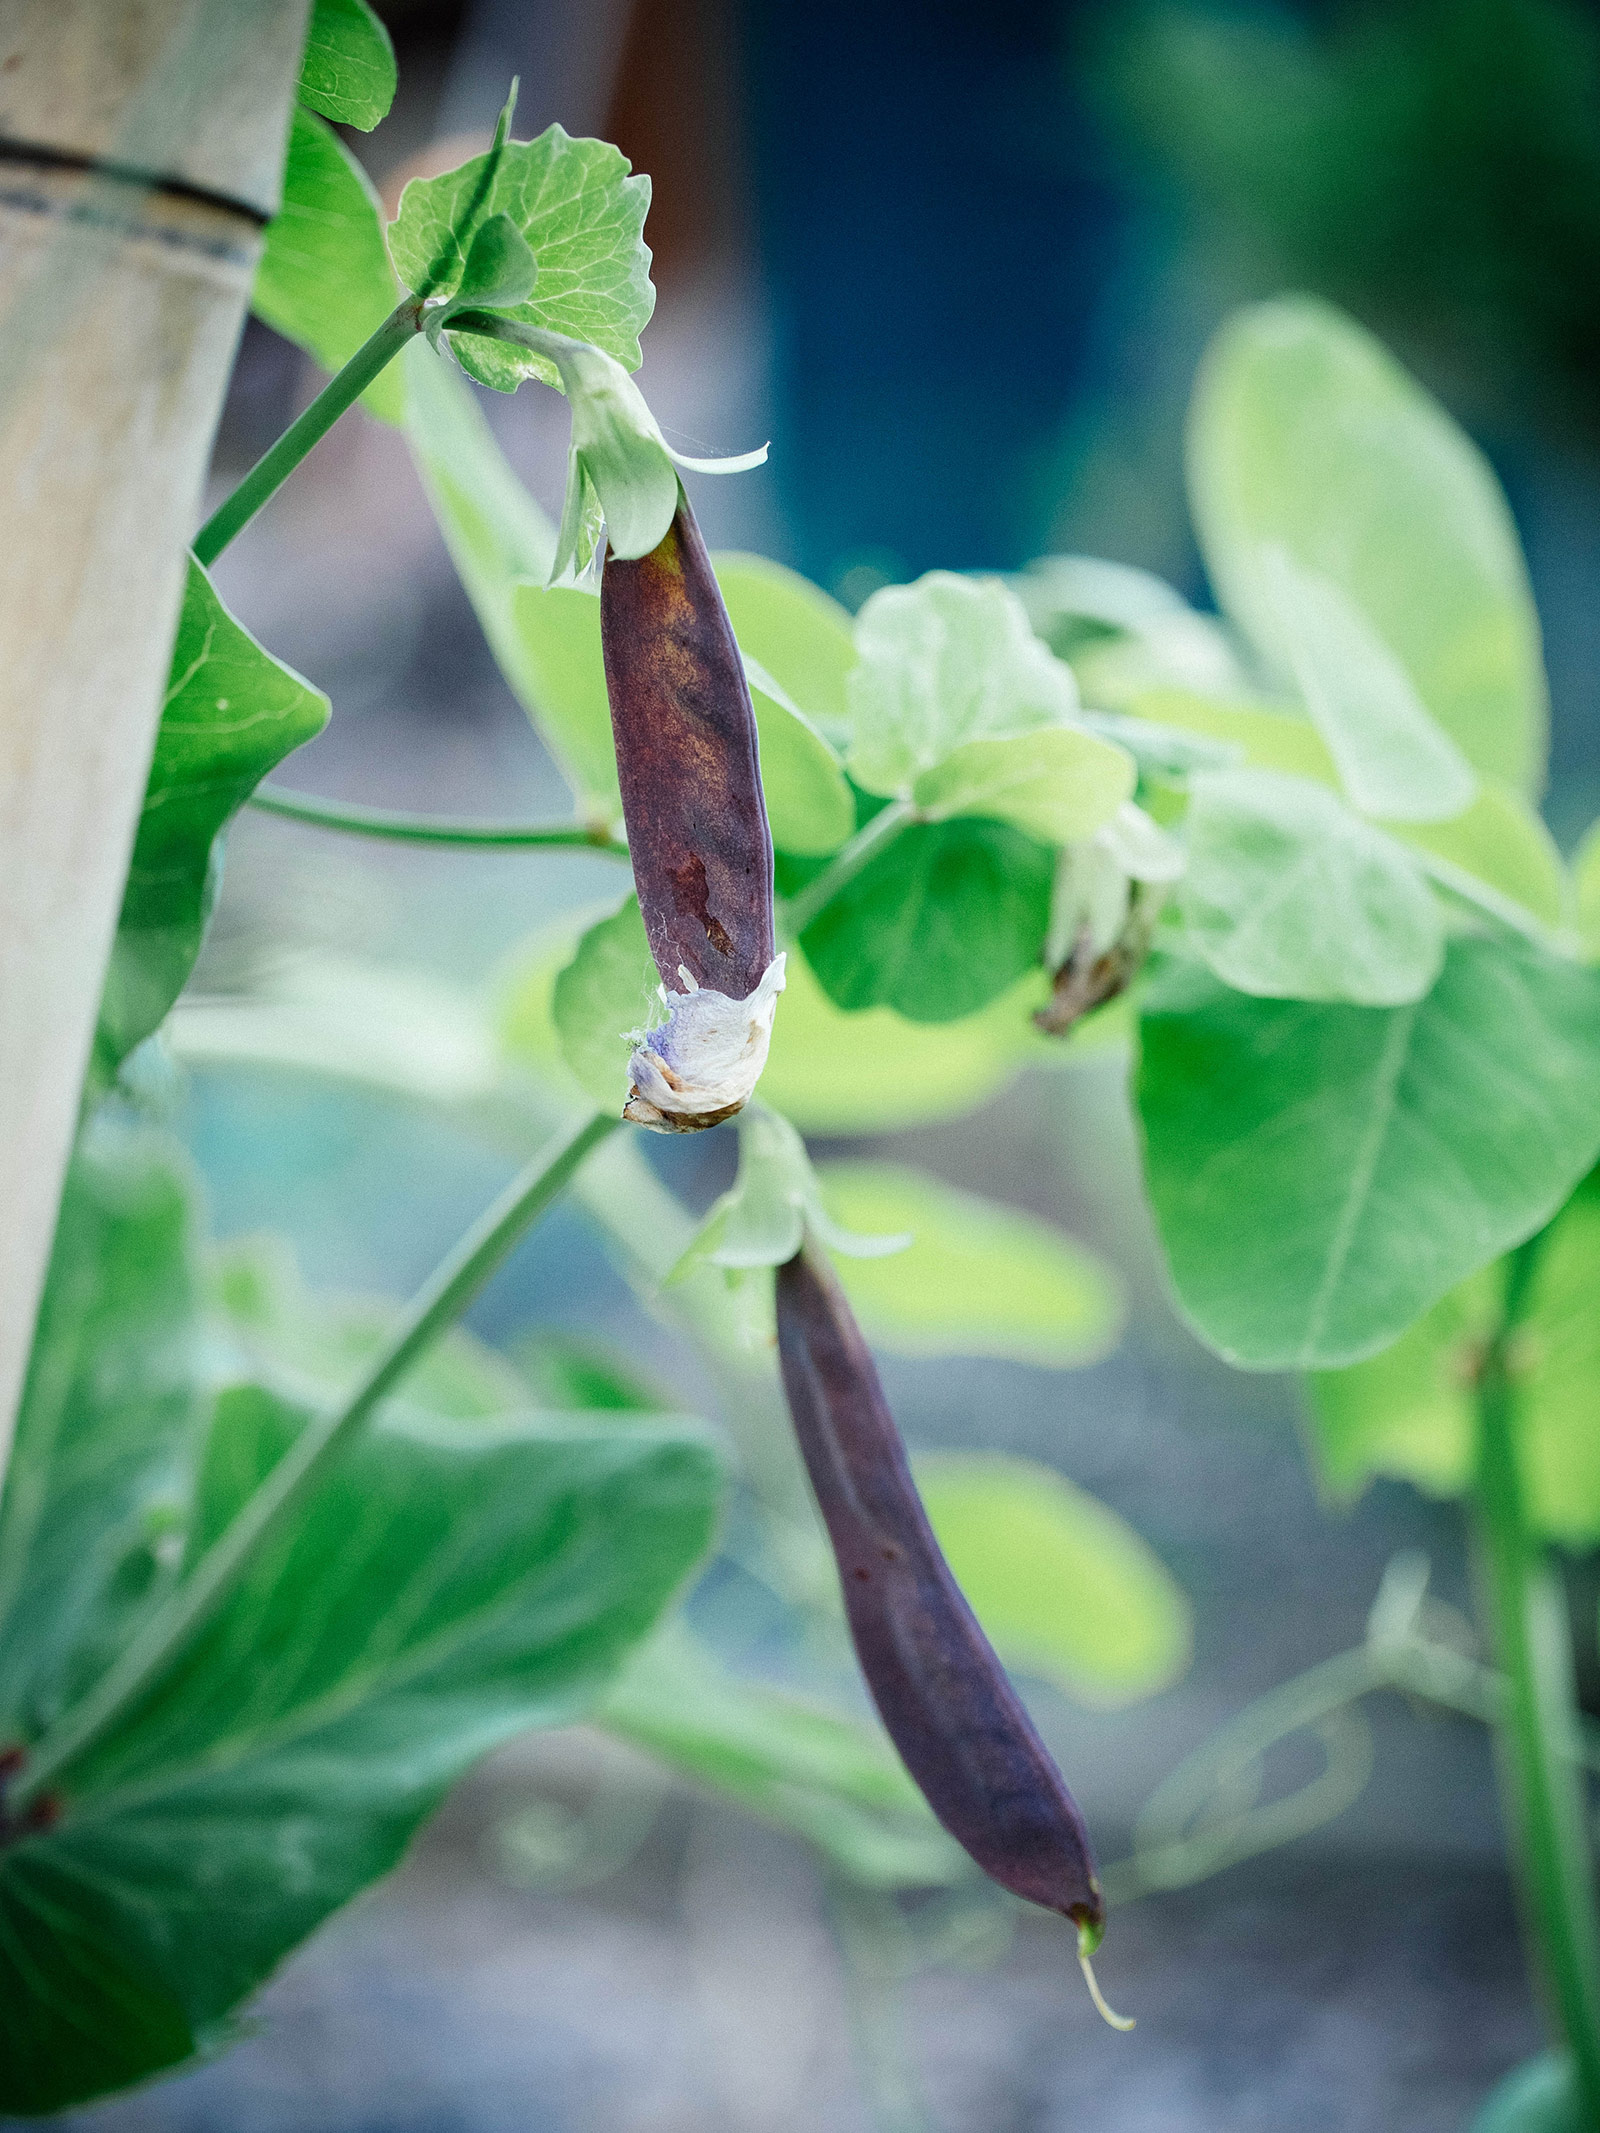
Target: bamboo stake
point(141, 145)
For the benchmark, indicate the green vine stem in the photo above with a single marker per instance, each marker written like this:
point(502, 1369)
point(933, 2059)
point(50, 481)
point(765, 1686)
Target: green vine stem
point(1545, 1793)
point(436, 1306)
point(275, 466)
point(360, 821)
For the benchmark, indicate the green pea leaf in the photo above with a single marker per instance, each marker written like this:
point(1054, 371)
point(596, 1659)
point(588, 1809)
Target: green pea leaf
point(1322, 1175)
point(324, 281)
point(312, 1348)
point(232, 712)
point(1408, 1412)
point(1305, 435)
point(1586, 883)
point(939, 922)
point(555, 643)
point(1064, 1587)
point(1291, 895)
point(111, 1426)
point(450, 1583)
point(500, 270)
point(872, 1071)
point(799, 635)
point(978, 1278)
point(798, 1765)
point(1058, 784)
point(942, 662)
point(1499, 840)
point(348, 72)
point(1393, 758)
point(1124, 631)
point(609, 988)
point(581, 215)
point(763, 1219)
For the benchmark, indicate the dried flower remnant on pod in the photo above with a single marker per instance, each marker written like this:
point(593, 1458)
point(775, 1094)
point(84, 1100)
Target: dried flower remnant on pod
point(689, 770)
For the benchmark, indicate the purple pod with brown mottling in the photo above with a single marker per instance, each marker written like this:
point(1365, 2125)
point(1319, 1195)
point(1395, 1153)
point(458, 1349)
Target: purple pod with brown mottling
point(961, 1728)
point(688, 765)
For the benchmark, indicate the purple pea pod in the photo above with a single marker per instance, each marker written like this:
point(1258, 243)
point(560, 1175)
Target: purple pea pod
point(960, 1726)
point(689, 769)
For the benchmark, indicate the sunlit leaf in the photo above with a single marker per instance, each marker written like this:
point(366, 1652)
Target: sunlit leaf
point(938, 923)
point(978, 1278)
point(1063, 1586)
point(608, 990)
point(1586, 882)
point(581, 215)
point(872, 1071)
point(1306, 435)
point(802, 638)
point(324, 280)
point(1290, 894)
point(1393, 758)
point(763, 1219)
point(942, 662)
point(232, 711)
point(348, 72)
point(1322, 1175)
point(1058, 785)
point(111, 1424)
point(1409, 1411)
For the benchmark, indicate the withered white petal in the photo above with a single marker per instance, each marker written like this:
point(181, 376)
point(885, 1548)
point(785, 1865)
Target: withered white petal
point(704, 1061)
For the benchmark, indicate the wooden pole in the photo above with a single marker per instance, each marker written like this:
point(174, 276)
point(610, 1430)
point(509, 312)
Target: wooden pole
point(141, 150)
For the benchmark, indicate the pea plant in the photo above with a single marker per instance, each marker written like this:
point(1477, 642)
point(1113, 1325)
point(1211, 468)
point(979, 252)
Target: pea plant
point(276, 1569)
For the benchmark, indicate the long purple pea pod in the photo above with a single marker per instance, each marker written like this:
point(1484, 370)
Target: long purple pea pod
point(689, 769)
point(961, 1728)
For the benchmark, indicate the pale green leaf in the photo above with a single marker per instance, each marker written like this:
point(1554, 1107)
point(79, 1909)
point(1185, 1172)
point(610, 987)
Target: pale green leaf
point(1291, 895)
point(1586, 882)
point(1406, 1412)
point(978, 1278)
point(111, 1424)
point(1270, 738)
point(231, 713)
point(1306, 435)
point(762, 1220)
point(500, 270)
point(1124, 631)
point(942, 662)
point(324, 280)
point(872, 1071)
point(802, 637)
point(1063, 1586)
point(1501, 840)
point(1322, 1175)
point(1393, 757)
point(348, 72)
point(581, 215)
point(1058, 784)
point(830, 1779)
point(608, 990)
